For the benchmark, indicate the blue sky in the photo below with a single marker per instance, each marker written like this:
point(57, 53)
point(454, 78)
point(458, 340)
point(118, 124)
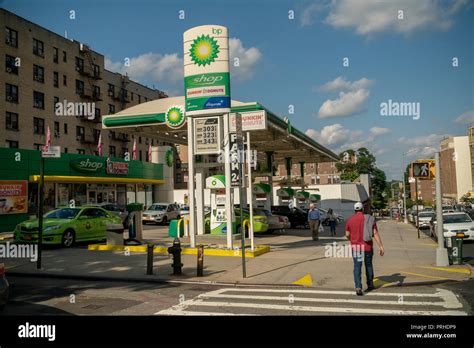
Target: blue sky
point(288, 61)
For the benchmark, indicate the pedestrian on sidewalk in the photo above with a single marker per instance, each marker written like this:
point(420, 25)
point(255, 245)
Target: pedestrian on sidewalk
point(332, 221)
point(314, 219)
point(360, 229)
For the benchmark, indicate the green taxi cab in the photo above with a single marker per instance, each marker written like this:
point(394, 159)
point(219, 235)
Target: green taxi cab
point(65, 226)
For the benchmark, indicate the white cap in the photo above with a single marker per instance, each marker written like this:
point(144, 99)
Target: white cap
point(358, 206)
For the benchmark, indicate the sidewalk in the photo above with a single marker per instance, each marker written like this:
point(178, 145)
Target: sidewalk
point(294, 255)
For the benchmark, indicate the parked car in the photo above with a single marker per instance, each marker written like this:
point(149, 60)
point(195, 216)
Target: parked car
point(454, 223)
point(66, 226)
point(4, 287)
point(470, 212)
point(275, 222)
point(184, 210)
point(115, 209)
point(297, 216)
point(424, 218)
point(161, 213)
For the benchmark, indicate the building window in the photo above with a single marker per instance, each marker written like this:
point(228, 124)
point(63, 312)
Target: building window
point(64, 56)
point(97, 113)
point(38, 146)
point(96, 91)
point(11, 37)
point(79, 64)
point(38, 125)
point(112, 151)
point(55, 55)
point(81, 151)
point(10, 65)
point(11, 121)
point(96, 71)
point(178, 178)
point(65, 150)
point(111, 90)
point(139, 99)
point(65, 128)
point(139, 140)
point(140, 155)
point(64, 80)
point(146, 99)
point(38, 100)
point(111, 109)
point(12, 144)
point(80, 133)
point(318, 180)
point(38, 73)
point(79, 87)
point(11, 93)
point(56, 79)
point(56, 101)
point(38, 48)
point(56, 129)
point(131, 95)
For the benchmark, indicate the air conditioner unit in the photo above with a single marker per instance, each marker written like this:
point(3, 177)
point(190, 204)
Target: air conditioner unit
point(9, 70)
point(37, 105)
point(78, 68)
point(38, 78)
point(9, 98)
point(78, 138)
point(8, 42)
point(56, 134)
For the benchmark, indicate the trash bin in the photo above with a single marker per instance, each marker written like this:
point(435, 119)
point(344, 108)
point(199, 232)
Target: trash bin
point(135, 219)
point(454, 245)
point(114, 234)
point(134, 207)
point(173, 229)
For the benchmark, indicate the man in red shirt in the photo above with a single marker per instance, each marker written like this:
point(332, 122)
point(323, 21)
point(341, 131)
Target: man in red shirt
point(360, 229)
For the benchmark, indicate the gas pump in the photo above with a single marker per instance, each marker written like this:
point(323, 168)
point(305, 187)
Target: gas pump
point(285, 196)
point(218, 223)
point(302, 199)
point(261, 195)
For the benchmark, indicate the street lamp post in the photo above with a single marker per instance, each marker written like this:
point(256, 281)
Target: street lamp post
point(405, 218)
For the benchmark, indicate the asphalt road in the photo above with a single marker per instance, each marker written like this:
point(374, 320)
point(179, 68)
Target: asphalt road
point(46, 296)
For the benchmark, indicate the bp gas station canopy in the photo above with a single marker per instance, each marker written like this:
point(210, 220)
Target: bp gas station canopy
point(280, 137)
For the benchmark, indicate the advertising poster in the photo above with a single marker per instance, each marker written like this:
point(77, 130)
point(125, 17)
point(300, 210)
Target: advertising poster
point(13, 196)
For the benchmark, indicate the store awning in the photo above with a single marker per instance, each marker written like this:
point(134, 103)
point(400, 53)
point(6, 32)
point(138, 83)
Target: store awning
point(280, 137)
point(94, 179)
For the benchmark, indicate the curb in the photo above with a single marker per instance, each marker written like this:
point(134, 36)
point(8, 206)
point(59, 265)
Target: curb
point(203, 282)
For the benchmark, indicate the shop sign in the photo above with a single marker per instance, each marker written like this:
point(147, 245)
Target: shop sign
point(13, 197)
point(251, 120)
point(87, 165)
point(206, 70)
point(116, 168)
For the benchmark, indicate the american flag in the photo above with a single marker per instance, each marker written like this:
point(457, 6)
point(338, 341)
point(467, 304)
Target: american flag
point(48, 137)
point(134, 150)
point(99, 146)
point(149, 153)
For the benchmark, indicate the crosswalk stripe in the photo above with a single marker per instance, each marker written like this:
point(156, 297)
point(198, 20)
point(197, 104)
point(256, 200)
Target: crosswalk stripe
point(447, 299)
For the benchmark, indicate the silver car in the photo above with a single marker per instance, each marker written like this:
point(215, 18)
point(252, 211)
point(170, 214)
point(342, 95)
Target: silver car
point(161, 213)
point(4, 287)
point(454, 223)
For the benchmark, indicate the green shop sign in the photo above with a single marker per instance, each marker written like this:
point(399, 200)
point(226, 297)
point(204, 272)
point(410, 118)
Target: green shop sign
point(87, 165)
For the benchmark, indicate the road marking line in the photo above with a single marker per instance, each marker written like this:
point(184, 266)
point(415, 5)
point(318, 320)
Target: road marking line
point(305, 281)
point(428, 276)
point(326, 309)
point(175, 312)
point(446, 269)
point(330, 300)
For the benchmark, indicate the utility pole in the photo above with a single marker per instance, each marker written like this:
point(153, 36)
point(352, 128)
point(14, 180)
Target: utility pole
point(240, 156)
point(405, 218)
point(441, 252)
point(417, 207)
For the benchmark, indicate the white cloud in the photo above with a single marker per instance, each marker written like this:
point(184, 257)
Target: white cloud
point(347, 104)
point(248, 60)
point(153, 66)
point(467, 117)
point(369, 17)
point(340, 83)
point(334, 134)
point(308, 14)
point(423, 140)
point(377, 131)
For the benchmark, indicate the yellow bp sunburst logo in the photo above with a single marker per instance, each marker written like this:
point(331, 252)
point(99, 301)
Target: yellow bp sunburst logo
point(204, 50)
point(175, 117)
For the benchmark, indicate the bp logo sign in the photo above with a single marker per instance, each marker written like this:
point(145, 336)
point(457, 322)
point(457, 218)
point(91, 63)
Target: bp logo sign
point(204, 50)
point(169, 158)
point(175, 117)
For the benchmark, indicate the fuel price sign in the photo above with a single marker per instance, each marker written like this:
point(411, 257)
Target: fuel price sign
point(207, 135)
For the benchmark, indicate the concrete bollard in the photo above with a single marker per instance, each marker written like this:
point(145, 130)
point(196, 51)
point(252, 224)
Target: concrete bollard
point(200, 261)
point(149, 260)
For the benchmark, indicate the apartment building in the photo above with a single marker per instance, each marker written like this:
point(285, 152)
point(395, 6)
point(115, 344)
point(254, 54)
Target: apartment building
point(456, 168)
point(39, 69)
point(471, 150)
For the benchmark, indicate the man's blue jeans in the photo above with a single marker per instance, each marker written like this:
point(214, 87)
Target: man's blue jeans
point(358, 257)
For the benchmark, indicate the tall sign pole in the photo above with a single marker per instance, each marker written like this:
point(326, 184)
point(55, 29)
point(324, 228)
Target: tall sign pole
point(417, 208)
point(240, 152)
point(207, 95)
point(441, 252)
point(40, 214)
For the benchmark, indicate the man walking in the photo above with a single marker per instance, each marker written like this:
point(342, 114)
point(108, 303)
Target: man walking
point(314, 221)
point(360, 229)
